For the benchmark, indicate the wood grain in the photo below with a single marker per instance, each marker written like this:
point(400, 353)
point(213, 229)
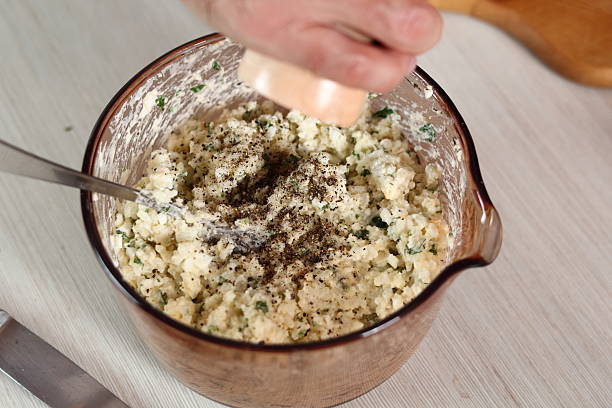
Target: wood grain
point(573, 37)
point(532, 330)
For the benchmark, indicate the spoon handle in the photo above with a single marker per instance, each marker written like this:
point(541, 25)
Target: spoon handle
point(19, 162)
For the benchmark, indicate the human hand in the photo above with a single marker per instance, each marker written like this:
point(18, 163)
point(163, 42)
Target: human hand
point(309, 33)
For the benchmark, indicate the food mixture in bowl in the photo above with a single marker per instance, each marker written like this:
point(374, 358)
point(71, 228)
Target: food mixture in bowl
point(356, 227)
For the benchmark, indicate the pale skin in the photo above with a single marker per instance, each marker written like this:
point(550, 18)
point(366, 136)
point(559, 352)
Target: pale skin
point(307, 33)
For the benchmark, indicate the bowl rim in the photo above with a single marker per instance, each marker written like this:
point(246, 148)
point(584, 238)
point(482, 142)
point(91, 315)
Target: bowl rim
point(126, 290)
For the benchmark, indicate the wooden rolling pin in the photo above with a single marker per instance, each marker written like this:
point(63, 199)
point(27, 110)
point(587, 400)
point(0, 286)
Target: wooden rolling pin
point(573, 36)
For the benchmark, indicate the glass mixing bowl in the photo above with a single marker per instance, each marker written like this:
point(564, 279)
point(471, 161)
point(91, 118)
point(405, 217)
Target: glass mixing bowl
point(318, 374)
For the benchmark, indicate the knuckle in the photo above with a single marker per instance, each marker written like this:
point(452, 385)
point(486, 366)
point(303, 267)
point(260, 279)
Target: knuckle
point(416, 24)
point(423, 26)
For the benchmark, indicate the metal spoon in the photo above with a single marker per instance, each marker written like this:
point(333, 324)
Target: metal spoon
point(19, 162)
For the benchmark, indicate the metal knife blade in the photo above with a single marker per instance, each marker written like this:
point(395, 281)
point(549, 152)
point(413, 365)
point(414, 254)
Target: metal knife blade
point(47, 373)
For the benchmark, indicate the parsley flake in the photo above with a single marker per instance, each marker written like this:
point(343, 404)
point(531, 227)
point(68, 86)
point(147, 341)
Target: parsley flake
point(415, 250)
point(429, 131)
point(161, 102)
point(197, 88)
point(137, 260)
point(365, 172)
point(124, 236)
point(383, 113)
point(216, 66)
point(261, 305)
point(433, 249)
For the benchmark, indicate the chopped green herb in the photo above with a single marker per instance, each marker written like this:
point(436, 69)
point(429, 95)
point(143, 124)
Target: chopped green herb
point(67, 128)
point(428, 130)
point(125, 238)
point(433, 249)
point(325, 207)
point(246, 116)
point(261, 305)
point(137, 260)
point(383, 113)
point(353, 140)
point(211, 329)
point(216, 66)
point(415, 250)
point(293, 158)
point(378, 222)
point(164, 297)
point(161, 102)
point(165, 209)
point(197, 88)
point(433, 188)
point(264, 124)
point(362, 234)
point(302, 333)
point(304, 252)
point(365, 172)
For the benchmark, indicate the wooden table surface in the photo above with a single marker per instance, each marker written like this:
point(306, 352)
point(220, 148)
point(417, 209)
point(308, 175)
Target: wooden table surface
point(532, 330)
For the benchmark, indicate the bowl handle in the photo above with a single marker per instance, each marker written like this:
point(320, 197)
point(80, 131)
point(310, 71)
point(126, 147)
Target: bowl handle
point(489, 234)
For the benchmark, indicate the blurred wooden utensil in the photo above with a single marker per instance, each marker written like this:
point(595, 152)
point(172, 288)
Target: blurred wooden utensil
point(574, 37)
point(297, 88)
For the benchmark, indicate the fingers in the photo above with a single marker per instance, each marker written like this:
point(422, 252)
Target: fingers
point(302, 32)
point(408, 26)
point(333, 55)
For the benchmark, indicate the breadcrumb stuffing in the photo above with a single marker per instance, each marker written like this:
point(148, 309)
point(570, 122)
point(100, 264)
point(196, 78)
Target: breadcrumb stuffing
point(357, 229)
